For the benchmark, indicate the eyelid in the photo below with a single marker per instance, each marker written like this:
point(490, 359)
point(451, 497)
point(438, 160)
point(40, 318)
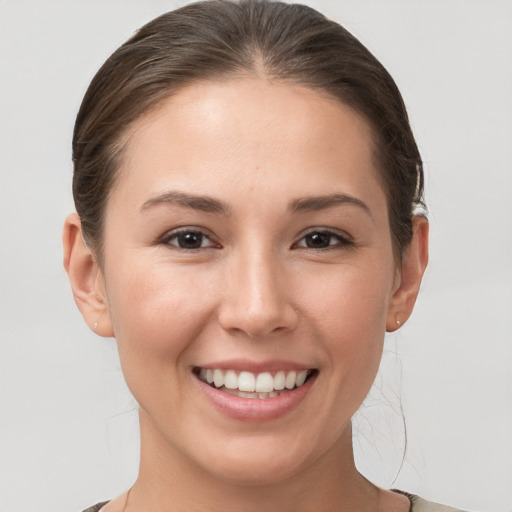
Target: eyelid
point(344, 238)
point(168, 235)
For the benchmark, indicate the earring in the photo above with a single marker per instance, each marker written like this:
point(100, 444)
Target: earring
point(398, 323)
point(94, 326)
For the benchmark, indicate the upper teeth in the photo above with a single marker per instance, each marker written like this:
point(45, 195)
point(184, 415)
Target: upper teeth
point(250, 382)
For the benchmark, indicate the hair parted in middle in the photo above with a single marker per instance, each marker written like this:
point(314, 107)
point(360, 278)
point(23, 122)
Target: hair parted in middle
point(225, 40)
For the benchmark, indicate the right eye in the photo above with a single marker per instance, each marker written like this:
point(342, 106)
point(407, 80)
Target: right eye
point(188, 239)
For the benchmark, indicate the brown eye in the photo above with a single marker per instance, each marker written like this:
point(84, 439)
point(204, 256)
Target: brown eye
point(189, 240)
point(318, 240)
point(322, 240)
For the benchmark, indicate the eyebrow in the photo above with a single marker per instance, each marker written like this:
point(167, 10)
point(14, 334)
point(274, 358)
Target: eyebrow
point(315, 203)
point(202, 203)
point(210, 205)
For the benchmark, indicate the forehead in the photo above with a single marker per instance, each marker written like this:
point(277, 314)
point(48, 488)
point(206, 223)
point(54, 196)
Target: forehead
point(252, 133)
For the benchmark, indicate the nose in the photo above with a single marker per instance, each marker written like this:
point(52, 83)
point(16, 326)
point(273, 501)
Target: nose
point(257, 297)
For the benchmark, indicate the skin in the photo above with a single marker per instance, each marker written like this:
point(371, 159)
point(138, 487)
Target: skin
point(254, 292)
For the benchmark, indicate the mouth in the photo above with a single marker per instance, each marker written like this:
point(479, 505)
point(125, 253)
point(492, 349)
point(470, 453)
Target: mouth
point(259, 386)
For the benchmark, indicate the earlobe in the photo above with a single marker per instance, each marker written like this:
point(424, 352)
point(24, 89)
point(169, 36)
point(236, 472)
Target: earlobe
point(414, 263)
point(85, 278)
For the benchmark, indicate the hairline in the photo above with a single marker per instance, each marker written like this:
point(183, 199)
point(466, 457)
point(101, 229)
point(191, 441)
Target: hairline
point(120, 145)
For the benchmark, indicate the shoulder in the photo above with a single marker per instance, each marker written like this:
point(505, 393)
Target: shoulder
point(417, 505)
point(95, 508)
point(115, 505)
point(420, 505)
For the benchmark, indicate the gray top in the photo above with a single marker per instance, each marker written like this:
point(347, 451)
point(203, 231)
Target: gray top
point(420, 505)
point(417, 505)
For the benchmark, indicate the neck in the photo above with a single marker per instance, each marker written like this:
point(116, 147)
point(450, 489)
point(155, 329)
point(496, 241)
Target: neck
point(169, 481)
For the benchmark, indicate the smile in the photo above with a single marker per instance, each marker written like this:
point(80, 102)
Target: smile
point(245, 384)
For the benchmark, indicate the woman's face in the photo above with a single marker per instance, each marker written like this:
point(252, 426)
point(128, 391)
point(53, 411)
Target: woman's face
point(247, 240)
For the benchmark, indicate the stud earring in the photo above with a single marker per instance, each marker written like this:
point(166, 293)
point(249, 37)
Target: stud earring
point(398, 322)
point(94, 326)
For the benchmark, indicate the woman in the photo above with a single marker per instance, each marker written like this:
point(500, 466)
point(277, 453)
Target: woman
point(247, 190)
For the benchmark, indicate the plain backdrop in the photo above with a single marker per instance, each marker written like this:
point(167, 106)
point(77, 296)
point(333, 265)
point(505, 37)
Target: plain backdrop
point(68, 426)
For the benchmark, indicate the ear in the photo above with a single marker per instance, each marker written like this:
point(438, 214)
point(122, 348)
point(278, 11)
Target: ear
point(86, 278)
point(409, 275)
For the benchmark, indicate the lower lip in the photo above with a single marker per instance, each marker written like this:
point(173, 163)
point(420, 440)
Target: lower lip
point(256, 409)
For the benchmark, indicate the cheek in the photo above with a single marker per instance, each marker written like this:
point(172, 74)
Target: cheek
point(350, 301)
point(348, 308)
point(156, 312)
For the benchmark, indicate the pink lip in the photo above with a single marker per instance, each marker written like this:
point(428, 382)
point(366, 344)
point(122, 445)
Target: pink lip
point(252, 409)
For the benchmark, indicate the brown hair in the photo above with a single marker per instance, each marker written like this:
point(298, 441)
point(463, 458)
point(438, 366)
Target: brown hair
point(222, 39)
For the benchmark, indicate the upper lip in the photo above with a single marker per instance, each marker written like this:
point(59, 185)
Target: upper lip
point(255, 366)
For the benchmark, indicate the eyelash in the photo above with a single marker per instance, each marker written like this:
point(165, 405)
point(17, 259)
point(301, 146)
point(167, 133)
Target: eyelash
point(342, 241)
point(166, 240)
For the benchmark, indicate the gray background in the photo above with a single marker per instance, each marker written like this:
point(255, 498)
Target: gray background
point(68, 427)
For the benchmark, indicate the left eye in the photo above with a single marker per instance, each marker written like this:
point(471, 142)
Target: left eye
point(321, 240)
point(189, 240)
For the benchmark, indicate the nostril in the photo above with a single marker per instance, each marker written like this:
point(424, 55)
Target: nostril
point(258, 323)
point(257, 299)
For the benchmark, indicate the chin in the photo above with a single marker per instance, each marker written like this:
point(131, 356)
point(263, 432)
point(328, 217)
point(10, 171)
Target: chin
point(269, 460)
point(257, 471)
